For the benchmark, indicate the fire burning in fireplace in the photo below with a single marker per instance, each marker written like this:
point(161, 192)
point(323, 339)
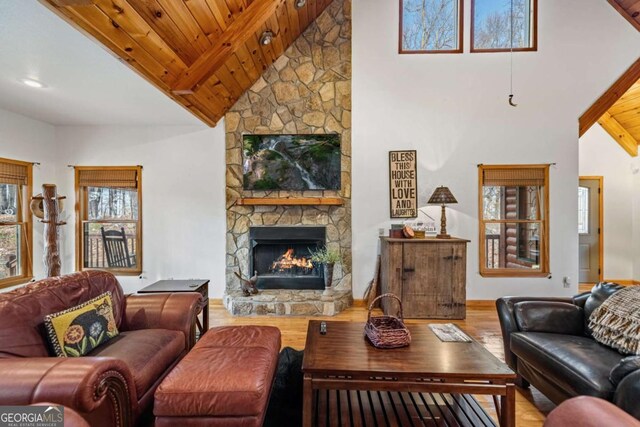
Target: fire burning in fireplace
point(288, 262)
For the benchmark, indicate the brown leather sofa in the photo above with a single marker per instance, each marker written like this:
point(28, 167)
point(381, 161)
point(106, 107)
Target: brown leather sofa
point(548, 343)
point(114, 384)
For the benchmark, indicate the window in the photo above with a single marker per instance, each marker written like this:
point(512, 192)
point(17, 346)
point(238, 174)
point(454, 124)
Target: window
point(15, 222)
point(491, 29)
point(514, 227)
point(431, 26)
point(109, 212)
point(583, 210)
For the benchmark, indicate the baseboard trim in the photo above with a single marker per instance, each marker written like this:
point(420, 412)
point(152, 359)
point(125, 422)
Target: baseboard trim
point(481, 304)
point(359, 303)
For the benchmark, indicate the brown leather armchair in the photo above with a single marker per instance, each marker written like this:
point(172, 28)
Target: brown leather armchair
point(114, 384)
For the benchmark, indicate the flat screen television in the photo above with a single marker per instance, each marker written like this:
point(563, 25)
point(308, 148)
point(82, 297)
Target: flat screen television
point(291, 162)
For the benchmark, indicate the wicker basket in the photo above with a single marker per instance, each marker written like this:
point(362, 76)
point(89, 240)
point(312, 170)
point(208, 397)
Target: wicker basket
point(386, 331)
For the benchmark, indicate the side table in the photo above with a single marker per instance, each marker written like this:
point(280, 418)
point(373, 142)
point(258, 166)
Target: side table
point(200, 286)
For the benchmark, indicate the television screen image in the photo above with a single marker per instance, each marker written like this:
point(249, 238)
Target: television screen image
point(291, 162)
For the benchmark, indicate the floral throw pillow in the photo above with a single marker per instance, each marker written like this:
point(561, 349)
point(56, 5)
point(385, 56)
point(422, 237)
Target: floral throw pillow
point(78, 330)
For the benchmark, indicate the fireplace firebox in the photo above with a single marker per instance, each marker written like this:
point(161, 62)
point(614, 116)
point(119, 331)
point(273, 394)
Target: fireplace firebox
point(281, 257)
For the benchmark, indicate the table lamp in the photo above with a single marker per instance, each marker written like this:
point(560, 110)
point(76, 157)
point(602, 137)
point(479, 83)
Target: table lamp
point(442, 196)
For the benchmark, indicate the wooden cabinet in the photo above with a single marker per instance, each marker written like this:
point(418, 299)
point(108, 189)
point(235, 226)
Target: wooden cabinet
point(428, 275)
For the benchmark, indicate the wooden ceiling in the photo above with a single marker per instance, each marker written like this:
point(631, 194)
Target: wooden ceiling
point(622, 120)
point(204, 54)
point(630, 9)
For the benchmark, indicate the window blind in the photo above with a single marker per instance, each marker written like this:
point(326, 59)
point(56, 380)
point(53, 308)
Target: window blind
point(13, 173)
point(514, 177)
point(112, 178)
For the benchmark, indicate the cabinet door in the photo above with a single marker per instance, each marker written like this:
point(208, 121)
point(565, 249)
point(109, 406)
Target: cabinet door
point(391, 275)
point(419, 275)
point(451, 281)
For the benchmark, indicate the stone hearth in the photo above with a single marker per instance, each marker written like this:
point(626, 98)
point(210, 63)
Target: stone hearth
point(307, 90)
point(288, 302)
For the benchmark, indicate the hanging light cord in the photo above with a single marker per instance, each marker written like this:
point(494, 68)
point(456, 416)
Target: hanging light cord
point(513, 104)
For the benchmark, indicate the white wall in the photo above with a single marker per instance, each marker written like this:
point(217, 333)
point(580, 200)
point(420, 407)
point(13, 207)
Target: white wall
point(453, 110)
point(635, 165)
point(22, 138)
point(600, 155)
point(182, 195)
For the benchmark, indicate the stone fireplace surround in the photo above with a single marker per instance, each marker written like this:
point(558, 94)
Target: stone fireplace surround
point(307, 90)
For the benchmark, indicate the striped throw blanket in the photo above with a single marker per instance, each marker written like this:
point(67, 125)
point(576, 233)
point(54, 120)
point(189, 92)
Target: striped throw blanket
point(616, 323)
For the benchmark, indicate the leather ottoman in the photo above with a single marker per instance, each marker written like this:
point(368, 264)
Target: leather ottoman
point(225, 380)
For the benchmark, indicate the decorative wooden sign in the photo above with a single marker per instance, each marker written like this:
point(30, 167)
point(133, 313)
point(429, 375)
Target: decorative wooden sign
point(403, 184)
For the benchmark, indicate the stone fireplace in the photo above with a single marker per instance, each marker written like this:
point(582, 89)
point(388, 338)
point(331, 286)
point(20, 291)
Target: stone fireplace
point(280, 257)
point(307, 90)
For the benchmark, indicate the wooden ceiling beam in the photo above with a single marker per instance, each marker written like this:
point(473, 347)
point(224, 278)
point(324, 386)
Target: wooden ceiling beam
point(63, 3)
point(606, 101)
point(631, 13)
point(619, 133)
point(236, 34)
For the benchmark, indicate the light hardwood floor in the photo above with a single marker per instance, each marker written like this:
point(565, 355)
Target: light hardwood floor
point(481, 323)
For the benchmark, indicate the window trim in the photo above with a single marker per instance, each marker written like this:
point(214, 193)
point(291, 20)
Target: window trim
point(27, 218)
point(544, 270)
point(81, 215)
point(534, 37)
point(460, 48)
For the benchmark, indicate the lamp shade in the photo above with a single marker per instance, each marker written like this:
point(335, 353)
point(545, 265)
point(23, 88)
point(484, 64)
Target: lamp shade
point(442, 196)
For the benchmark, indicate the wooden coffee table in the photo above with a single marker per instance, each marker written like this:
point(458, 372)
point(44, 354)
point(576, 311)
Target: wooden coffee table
point(344, 360)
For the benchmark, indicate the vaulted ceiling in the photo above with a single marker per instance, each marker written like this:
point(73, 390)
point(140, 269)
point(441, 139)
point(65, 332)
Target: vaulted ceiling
point(204, 54)
point(618, 109)
point(630, 9)
point(622, 120)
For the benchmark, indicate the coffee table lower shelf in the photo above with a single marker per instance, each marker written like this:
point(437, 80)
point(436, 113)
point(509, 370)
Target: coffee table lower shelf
point(390, 409)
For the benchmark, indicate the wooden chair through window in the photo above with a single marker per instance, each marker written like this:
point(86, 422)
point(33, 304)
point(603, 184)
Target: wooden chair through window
point(116, 250)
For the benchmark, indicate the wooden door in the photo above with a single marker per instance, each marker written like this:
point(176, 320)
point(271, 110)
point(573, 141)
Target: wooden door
point(420, 271)
point(451, 281)
point(589, 230)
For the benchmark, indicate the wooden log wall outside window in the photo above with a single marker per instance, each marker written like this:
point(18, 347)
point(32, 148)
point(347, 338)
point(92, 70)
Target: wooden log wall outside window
point(521, 206)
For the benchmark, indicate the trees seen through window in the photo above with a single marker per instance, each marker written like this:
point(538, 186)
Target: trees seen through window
point(430, 26)
point(491, 28)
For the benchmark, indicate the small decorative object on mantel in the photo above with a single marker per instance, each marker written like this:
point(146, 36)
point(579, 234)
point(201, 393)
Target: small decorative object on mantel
point(442, 196)
point(47, 206)
point(386, 331)
point(248, 286)
point(328, 258)
point(408, 232)
point(403, 184)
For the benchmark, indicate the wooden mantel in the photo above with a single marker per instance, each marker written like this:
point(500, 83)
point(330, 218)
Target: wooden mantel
point(290, 201)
